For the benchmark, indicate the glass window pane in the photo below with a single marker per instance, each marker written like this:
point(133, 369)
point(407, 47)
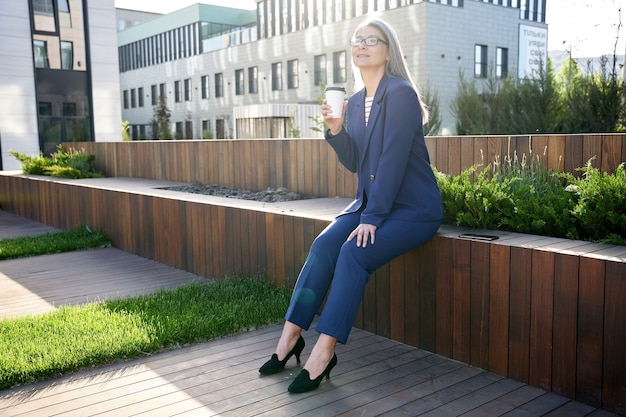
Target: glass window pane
point(41, 54)
point(67, 55)
point(63, 6)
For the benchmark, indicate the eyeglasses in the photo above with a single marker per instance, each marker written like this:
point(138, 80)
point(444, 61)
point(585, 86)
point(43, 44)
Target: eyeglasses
point(369, 41)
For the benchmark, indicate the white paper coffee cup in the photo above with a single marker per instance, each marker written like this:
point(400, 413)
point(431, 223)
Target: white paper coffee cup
point(335, 97)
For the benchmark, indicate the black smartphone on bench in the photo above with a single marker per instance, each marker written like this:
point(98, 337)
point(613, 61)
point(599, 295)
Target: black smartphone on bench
point(478, 236)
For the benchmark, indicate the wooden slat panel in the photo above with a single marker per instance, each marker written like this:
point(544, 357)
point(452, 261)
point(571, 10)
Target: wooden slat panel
point(573, 155)
point(461, 309)
point(479, 305)
point(499, 294)
point(614, 360)
point(454, 156)
point(519, 326)
point(565, 322)
point(427, 296)
point(411, 300)
point(467, 153)
point(541, 316)
point(271, 250)
point(291, 269)
point(590, 331)
point(592, 148)
point(556, 146)
point(444, 248)
point(279, 243)
point(611, 152)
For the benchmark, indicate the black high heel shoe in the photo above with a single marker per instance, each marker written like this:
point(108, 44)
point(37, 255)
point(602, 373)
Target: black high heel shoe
point(303, 382)
point(273, 366)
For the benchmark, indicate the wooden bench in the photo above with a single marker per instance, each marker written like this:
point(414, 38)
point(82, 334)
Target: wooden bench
point(543, 311)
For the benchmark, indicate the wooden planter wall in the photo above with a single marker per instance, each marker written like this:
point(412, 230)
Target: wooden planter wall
point(547, 312)
point(310, 167)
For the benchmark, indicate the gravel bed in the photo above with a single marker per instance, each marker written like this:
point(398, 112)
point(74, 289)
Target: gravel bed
point(270, 195)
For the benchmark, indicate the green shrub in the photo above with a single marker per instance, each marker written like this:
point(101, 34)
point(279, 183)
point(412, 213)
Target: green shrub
point(525, 199)
point(64, 163)
point(600, 209)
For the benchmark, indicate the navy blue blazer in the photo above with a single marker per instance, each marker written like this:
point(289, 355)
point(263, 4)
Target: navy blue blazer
point(389, 155)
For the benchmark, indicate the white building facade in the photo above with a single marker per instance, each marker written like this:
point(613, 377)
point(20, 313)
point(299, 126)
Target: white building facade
point(59, 75)
point(281, 55)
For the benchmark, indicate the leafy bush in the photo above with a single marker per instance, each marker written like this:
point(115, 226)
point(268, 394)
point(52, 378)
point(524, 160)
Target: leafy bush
point(600, 209)
point(524, 200)
point(64, 163)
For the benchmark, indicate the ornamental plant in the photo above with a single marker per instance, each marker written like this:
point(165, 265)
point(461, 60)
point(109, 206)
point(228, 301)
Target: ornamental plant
point(64, 163)
point(524, 200)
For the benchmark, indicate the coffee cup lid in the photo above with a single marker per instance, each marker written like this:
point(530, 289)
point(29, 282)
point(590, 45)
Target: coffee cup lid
point(336, 89)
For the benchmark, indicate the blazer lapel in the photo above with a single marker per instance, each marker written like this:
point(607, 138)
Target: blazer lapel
point(374, 114)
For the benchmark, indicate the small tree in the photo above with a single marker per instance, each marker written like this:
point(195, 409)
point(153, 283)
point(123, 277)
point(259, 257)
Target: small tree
point(469, 109)
point(161, 121)
point(431, 99)
point(125, 130)
point(319, 120)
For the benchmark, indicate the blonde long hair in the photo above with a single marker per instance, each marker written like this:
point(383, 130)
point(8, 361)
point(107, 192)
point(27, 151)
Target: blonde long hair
point(396, 65)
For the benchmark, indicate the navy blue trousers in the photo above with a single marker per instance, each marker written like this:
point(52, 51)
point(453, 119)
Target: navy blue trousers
point(341, 269)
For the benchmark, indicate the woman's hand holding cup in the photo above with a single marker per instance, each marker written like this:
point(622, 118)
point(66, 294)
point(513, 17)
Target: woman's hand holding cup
point(333, 109)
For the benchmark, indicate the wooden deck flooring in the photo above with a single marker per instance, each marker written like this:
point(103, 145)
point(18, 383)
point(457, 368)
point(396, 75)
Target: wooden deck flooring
point(375, 376)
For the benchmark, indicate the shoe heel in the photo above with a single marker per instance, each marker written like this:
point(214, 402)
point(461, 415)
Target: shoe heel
point(298, 348)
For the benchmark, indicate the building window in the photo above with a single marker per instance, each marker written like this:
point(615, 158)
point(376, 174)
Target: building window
point(69, 109)
point(45, 108)
point(162, 92)
point(41, 54)
point(188, 89)
point(125, 95)
point(154, 94)
point(43, 7)
point(502, 62)
point(67, 55)
point(63, 6)
point(253, 80)
point(140, 96)
point(177, 92)
point(339, 67)
point(319, 70)
point(179, 130)
point(219, 85)
point(239, 82)
point(277, 76)
point(204, 81)
point(133, 98)
point(480, 61)
point(292, 73)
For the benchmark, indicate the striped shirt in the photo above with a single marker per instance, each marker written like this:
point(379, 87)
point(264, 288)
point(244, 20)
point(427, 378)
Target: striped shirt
point(368, 107)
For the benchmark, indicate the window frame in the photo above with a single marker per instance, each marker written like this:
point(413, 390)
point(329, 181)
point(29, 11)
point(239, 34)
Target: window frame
point(239, 82)
point(339, 67)
point(277, 76)
point(480, 61)
point(219, 84)
point(253, 80)
point(502, 62)
point(293, 74)
point(320, 69)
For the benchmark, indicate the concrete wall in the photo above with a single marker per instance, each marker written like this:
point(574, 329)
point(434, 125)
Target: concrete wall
point(18, 104)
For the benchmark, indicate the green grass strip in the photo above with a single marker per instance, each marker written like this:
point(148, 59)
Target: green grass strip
point(80, 237)
point(71, 338)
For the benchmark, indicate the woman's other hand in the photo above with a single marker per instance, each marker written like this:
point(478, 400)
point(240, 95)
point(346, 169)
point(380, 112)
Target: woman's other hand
point(363, 233)
point(335, 124)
